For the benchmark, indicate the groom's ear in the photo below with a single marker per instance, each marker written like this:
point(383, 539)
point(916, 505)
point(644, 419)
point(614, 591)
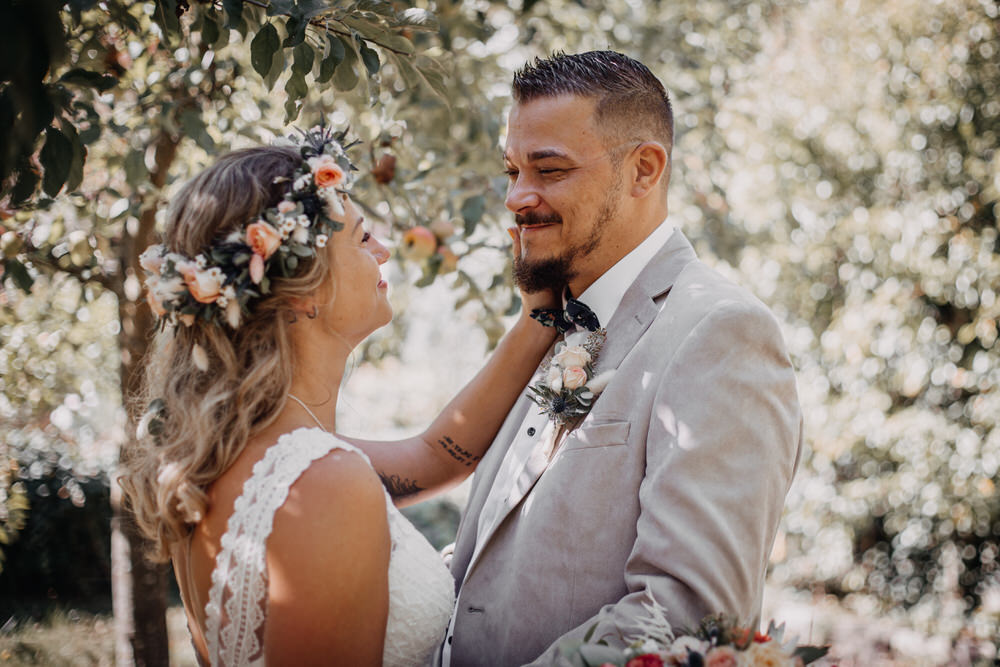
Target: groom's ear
point(648, 167)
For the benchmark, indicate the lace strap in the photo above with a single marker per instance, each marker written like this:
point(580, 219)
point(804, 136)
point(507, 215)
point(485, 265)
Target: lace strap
point(237, 605)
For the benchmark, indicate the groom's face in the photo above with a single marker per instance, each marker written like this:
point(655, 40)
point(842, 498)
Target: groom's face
point(565, 191)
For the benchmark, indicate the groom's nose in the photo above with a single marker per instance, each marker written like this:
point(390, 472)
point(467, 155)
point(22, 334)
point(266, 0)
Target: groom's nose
point(521, 196)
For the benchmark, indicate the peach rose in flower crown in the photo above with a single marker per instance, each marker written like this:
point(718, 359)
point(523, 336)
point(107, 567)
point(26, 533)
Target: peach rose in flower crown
point(263, 239)
point(326, 172)
point(574, 377)
point(205, 285)
point(572, 355)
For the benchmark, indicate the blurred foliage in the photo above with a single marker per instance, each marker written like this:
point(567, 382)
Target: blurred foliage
point(839, 158)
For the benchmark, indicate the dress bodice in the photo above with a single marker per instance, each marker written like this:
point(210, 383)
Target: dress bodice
point(421, 590)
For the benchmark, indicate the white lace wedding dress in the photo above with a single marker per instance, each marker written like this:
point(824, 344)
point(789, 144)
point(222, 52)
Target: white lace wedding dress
point(421, 590)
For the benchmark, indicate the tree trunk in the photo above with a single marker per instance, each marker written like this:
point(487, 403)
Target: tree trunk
point(139, 587)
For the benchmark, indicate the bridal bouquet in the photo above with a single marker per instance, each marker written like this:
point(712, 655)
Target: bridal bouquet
point(717, 642)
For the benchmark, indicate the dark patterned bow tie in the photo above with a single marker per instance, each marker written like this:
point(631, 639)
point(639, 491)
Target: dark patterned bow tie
point(576, 313)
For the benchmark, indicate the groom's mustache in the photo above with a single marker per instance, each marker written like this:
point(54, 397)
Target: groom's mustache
point(537, 219)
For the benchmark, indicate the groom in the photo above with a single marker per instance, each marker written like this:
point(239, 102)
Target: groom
point(672, 486)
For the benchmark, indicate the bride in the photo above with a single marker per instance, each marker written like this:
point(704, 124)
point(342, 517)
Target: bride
point(286, 547)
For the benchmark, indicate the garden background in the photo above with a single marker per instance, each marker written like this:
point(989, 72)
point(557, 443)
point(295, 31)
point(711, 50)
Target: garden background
point(837, 157)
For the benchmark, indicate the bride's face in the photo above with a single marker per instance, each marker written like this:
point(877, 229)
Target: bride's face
point(360, 301)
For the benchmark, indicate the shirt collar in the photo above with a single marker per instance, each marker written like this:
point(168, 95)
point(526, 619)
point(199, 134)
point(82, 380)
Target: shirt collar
point(604, 295)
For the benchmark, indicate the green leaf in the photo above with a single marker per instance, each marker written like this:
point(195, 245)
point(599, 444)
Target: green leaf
point(263, 47)
point(27, 181)
point(135, 168)
point(419, 19)
point(377, 6)
point(19, 274)
point(296, 29)
point(56, 157)
point(332, 59)
point(280, 7)
point(75, 176)
point(309, 8)
point(83, 77)
point(811, 653)
point(234, 12)
point(370, 59)
point(277, 69)
point(210, 32)
point(472, 212)
point(194, 127)
point(304, 58)
point(296, 89)
point(346, 77)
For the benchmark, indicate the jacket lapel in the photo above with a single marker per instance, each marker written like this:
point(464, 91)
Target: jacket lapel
point(643, 300)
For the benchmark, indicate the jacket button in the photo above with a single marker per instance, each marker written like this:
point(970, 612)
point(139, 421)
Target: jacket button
point(531, 430)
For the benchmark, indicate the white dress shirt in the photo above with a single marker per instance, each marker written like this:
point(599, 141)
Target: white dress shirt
point(536, 431)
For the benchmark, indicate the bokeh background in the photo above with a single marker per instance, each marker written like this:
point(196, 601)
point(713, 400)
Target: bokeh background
point(837, 157)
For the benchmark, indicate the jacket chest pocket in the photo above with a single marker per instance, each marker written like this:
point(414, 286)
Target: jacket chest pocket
point(592, 436)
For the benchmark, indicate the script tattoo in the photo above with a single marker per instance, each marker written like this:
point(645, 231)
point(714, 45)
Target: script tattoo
point(456, 452)
point(399, 487)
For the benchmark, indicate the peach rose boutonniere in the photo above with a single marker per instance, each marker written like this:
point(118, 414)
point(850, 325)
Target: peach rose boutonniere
point(569, 385)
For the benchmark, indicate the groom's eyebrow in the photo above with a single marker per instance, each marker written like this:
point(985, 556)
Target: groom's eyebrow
point(540, 154)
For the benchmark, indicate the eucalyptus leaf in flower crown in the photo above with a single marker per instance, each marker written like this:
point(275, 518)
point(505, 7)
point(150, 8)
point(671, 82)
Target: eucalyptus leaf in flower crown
point(220, 283)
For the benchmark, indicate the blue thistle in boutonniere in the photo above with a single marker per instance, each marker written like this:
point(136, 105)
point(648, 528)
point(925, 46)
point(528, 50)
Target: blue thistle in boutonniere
point(569, 386)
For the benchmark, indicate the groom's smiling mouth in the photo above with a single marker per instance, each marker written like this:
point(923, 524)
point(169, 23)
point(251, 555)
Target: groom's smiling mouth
point(533, 221)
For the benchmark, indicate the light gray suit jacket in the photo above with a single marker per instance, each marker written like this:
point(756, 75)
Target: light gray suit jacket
point(673, 484)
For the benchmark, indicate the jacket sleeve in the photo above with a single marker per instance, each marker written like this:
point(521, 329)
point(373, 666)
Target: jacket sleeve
point(723, 444)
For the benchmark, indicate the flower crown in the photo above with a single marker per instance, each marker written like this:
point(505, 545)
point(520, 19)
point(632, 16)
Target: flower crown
point(218, 284)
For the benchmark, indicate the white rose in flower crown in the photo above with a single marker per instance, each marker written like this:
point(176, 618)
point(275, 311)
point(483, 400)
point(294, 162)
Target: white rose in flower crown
point(301, 235)
point(574, 377)
point(152, 259)
point(572, 355)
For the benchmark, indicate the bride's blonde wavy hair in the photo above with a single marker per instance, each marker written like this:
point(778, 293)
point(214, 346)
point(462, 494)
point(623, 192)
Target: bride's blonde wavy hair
point(210, 415)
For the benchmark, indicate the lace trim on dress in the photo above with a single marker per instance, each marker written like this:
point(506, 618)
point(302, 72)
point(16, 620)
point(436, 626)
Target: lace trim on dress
point(237, 606)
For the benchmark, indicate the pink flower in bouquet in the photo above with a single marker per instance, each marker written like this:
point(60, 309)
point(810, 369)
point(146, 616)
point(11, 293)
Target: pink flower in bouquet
point(286, 206)
point(721, 656)
point(645, 660)
point(574, 377)
point(263, 239)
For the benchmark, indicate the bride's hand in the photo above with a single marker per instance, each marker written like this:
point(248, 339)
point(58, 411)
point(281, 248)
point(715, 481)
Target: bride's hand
point(544, 299)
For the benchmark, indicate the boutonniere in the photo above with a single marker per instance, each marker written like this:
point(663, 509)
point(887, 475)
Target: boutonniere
point(568, 386)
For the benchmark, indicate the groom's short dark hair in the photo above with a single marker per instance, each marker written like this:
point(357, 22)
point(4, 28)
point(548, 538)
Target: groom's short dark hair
point(631, 101)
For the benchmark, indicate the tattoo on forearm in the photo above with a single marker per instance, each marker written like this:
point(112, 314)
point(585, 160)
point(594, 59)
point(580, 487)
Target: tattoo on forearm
point(456, 452)
point(399, 487)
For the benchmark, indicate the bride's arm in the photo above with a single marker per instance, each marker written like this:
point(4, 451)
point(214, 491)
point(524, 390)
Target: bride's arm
point(448, 451)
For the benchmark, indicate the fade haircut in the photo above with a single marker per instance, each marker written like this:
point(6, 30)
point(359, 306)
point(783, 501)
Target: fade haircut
point(631, 103)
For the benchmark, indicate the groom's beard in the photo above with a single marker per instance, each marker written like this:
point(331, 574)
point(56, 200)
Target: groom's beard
point(555, 272)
